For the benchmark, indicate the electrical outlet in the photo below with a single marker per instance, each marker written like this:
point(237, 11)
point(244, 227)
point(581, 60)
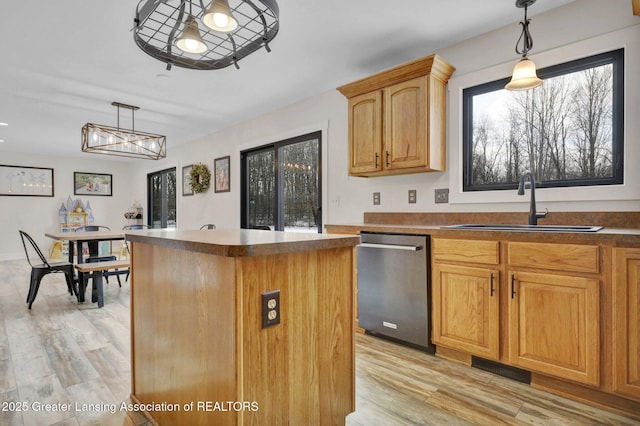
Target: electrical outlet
point(270, 308)
point(442, 195)
point(412, 196)
point(376, 198)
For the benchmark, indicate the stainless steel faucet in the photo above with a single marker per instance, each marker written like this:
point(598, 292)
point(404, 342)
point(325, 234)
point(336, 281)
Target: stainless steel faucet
point(533, 214)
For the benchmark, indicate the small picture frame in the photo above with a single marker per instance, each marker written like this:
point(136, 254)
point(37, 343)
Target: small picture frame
point(186, 180)
point(92, 184)
point(222, 176)
point(26, 181)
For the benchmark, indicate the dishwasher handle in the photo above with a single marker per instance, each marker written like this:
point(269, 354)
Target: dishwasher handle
point(390, 246)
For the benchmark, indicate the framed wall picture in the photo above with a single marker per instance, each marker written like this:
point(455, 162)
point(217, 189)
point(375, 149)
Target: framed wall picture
point(92, 184)
point(26, 181)
point(186, 180)
point(221, 174)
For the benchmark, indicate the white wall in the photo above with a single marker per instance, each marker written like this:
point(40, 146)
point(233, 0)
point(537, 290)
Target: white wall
point(580, 28)
point(37, 215)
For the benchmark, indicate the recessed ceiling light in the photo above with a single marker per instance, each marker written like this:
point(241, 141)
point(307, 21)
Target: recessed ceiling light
point(3, 124)
point(1, 140)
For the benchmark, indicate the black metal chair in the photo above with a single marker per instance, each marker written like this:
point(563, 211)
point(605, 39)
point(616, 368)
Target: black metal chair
point(126, 246)
point(40, 270)
point(261, 227)
point(94, 255)
point(134, 227)
point(208, 226)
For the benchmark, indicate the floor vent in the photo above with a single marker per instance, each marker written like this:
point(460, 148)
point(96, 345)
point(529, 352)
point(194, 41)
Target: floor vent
point(507, 371)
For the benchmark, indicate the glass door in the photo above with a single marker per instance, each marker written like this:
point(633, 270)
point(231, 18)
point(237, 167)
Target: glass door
point(162, 199)
point(281, 185)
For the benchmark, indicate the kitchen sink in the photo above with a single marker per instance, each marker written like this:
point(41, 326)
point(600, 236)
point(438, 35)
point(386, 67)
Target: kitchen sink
point(528, 228)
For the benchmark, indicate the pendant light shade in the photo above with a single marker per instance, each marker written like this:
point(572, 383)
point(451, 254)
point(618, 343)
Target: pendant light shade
point(524, 76)
point(219, 17)
point(190, 41)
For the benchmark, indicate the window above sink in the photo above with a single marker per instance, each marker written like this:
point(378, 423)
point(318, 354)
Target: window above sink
point(568, 132)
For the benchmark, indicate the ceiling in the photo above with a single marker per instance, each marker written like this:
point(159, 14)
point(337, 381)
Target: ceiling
point(64, 62)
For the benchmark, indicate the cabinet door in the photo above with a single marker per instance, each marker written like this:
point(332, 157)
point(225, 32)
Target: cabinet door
point(465, 309)
point(365, 133)
point(554, 325)
point(626, 326)
point(405, 139)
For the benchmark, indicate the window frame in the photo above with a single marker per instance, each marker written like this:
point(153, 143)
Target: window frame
point(614, 57)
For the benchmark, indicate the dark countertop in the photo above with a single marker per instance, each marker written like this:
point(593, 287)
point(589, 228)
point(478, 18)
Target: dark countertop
point(618, 237)
point(240, 242)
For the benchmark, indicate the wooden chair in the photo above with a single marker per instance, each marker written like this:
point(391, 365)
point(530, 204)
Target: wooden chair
point(208, 226)
point(40, 270)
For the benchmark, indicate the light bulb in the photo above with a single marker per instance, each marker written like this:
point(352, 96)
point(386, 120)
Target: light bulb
point(220, 19)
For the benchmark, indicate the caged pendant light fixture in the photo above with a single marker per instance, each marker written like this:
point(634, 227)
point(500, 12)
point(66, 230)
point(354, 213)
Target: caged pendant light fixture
point(231, 29)
point(524, 73)
point(108, 140)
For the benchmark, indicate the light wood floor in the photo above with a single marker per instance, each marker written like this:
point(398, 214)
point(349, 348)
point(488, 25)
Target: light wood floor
point(63, 353)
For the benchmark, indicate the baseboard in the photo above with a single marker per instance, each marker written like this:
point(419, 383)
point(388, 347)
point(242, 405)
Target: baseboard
point(12, 256)
point(576, 392)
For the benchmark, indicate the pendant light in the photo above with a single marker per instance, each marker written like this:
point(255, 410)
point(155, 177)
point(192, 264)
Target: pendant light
point(190, 40)
point(168, 31)
point(219, 17)
point(109, 140)
point(524, 73)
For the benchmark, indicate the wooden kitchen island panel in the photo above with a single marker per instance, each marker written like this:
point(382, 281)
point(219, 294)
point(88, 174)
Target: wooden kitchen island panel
point(197, 332)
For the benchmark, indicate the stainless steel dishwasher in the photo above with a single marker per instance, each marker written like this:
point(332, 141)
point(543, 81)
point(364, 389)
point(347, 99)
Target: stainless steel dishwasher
point(394, 292)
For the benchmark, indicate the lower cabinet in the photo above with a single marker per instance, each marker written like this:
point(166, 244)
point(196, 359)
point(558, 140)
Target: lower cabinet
point(466, 309)
point(554, 325)
point(626, 316)
point(549, 304)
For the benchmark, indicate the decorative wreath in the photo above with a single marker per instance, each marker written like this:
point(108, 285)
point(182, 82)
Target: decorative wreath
point(200, 178)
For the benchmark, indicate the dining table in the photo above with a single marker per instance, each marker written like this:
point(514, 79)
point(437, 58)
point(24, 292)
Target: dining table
point(76, 241)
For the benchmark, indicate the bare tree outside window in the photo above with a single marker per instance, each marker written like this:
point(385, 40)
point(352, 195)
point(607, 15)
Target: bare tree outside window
point(568, 131)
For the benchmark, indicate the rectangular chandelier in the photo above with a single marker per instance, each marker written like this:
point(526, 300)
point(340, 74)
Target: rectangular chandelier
point(108, 140)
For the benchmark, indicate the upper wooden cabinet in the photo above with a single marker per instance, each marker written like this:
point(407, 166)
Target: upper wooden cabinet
point(397, 119)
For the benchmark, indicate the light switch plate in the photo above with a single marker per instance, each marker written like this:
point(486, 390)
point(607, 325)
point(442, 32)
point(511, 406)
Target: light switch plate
point(442, 195)
point(376, 198)
point(412, 196)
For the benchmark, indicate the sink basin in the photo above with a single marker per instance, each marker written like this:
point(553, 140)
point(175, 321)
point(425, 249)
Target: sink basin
point(528, 228)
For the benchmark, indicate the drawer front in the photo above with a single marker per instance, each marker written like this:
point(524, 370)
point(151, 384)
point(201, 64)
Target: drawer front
point(557, 257)
point(474, 251)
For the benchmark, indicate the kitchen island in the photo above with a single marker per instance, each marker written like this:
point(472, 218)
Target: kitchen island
point(199, 344)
